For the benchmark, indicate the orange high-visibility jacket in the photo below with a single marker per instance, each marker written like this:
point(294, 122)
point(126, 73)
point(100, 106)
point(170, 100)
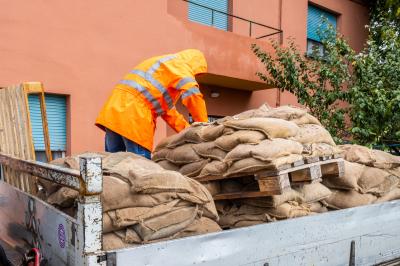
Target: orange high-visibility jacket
point(151, 90)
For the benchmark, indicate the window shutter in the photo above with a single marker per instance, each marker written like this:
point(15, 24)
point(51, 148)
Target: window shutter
point(204, 16)
point(56, 108)
point(315, 22)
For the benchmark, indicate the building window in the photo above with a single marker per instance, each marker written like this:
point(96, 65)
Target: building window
point(56, 109)
point(316, 21)
point(211, 118)
point(200, 11)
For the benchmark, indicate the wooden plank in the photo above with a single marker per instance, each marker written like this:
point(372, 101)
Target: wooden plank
point(220, 177)
point(293, 169)
point(245, 194)
point(29, 135)
point(335, 169)
point(299, 184)
point(46, 135)
point(312, 159)
point(12, 104)
point(307, 174)
point(23, 177)
point(275, 183)
point(9, 134)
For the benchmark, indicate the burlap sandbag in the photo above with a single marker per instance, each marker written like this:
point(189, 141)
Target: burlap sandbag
point(288, 210)
point(390, 183)
point(385, 160)
point(117, 195)
point(113, 241)
point(271, 127)
point(173, 182)
point(191, 134)
point(276, 200)
point(229, 142)
point(160, 154)
point(258, 112)
point(306, 119)
point(357, 154)
point(200, 226)
point(311, 133)
point(214, 168)
point(286, 112)
point(371, 177)
point(394, 171)
point(252, 165)
point(236, 216)
point(394, 194)
point(352, 173)
point(141, 166)
point(313, 192)
point(317, 207)
point(125, 217)
point(366, 156)
point(167, 224)
point(267, 150)
point(213, 187)
point(193, 169)
point(63, 197)
point(163, 143)
point(212, 132)
point(209, 150)
point(183, 154)
point(342, 199)
point(167, 165)
point(112, 159)
point(320, 149)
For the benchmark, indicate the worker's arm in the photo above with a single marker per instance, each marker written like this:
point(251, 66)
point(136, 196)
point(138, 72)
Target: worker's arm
point(175, 120)
point(193, 99)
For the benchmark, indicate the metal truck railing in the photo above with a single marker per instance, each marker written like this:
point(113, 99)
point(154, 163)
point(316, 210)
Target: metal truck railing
point(250, 22)
point(78, 241)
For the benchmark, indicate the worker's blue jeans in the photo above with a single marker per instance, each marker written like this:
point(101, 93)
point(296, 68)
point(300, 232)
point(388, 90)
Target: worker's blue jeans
point(115, 143)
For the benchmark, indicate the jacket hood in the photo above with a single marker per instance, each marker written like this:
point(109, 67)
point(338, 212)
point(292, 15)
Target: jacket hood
point(194, 59)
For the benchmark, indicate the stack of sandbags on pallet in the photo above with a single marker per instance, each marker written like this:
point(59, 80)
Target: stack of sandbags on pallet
point(264, 138)
point(142, 202)
point(370, 176)
point(295, 202)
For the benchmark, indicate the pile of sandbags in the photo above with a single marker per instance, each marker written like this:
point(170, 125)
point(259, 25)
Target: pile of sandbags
point(260, 139)
point(295, 202)
point(370, 176)
point(142, 202)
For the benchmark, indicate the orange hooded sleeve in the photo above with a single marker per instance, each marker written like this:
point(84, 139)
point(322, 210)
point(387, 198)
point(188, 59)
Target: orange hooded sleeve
point(175, 120)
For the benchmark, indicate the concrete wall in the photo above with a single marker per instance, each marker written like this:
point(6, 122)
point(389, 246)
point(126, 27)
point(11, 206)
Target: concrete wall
point(82, 48)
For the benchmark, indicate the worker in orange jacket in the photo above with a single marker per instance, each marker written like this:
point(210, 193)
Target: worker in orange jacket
point(148, 91)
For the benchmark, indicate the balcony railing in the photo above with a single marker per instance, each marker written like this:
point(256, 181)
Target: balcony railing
point(250, 22)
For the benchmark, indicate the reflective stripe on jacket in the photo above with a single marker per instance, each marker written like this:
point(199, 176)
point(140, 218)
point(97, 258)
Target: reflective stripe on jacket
point(151, 90)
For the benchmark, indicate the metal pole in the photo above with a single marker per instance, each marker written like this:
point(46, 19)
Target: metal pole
point(250, 29)
point(90, 214)
point(212, 17)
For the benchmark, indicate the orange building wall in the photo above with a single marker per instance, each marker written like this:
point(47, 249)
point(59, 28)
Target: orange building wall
point(82, 48)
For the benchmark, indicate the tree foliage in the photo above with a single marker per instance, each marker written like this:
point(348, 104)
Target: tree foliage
point(375, 95)
point(317, 80)
point(364, 87)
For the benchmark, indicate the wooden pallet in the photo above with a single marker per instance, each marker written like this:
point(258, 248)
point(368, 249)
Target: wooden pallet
point(16, 131)
point(276, 182)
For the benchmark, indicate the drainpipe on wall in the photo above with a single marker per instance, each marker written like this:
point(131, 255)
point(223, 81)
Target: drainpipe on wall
point(278, 92)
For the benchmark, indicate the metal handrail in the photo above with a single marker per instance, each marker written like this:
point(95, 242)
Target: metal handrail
point(277, 31)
